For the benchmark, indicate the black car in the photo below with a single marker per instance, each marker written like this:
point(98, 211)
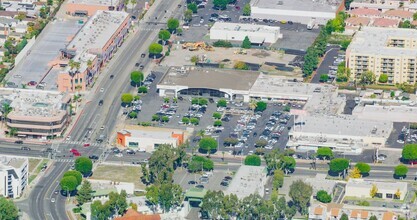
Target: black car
point(93, 157)
point(266, 132)
point(18, 142)
point(141, 67)
point(224, 183)
point(214, 15)
point(111, 76)
point(143, 55)
point(290, 22)
point(137, 64)
point(130, 151)
point(199, 186)
point(100, 103)
point(192, 182)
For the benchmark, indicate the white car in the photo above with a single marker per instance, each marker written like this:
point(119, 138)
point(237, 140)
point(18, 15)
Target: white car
point(102, 90)
point(53, 200)
point(68, 138)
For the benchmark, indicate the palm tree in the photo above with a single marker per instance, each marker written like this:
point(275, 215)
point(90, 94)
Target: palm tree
point(253, 104)
point(201, 133)
point(89, 64)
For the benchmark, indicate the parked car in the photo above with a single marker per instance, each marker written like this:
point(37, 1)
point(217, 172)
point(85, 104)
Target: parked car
point(93, 157)
point(18, 142)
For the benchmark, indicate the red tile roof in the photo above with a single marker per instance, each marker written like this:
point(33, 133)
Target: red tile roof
point(365, 12)
point(357, 21)
point(399, 14)
point(135, 215)
point(385, 22)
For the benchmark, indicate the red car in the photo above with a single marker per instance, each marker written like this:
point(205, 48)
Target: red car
point(75, 152)
point(32, 83)
point(86, 145)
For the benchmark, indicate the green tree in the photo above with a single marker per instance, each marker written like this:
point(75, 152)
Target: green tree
point(230, 206)
point(310, 61)
point(323, 196)
point(194, 121)
point(287, 163)
point(84, 165)
point(278, 179)
point(207, 144)
point(100, 211)
point(345, 44)
point(192, 7)
point(136, 77)
point(194, 59)
point(170, 195)
point(8, 210)
point(50, 2)
point(152, 195)
point(199, 163)
point(300, 194)
point(261, 106)
point(222, 43)
point(324, 78)
point(344, 217)
point(272, 160)
point(246, 9)
point(84, 194)
point(217, 115)
point(222, 4)
point(164, 118)
point(68, 183)
point(373, 217)
point(222, 103)
point(173, 24)
point(409, 152)
point(405, 24)
point(164, 35)
point(143, 89)
point(364, 168)
point(383, 78)
point(155, 49)
point(217, 123)
point(401, 170)
point(75, 174)
point(145, 174)
point(133, 114)
point(338, 165)
point(342, 73)
point(117, 202)
point(188, 15)
point(325, 153)
point(161, 164)
point(246, 44)
point(213, 203)
point(127, 98)
point(185, 120)
point(367, 78)
point(253, 160)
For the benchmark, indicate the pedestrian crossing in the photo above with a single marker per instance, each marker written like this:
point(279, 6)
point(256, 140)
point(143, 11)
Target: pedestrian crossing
point(64, 160)
point(80, 143)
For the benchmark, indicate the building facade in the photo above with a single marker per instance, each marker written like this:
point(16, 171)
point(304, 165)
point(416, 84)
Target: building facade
point(90, 7)
point(85, 56)
point(392, 51)
point(385, 190)
point(257, 34)
point(13, 176)
point(147, 139)
point(36, 113)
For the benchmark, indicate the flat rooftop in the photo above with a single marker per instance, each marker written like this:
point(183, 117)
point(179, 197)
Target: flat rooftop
point(380, 38)
point(366, 184)
point(95, 2)
point(148, 134)
point(378, 112)
point(298, 5)
point(249, 28)
point(34, 103)
point(248, 180)
point(36, 65)
point(343, 125)
point(193, 77)
point(14, 162)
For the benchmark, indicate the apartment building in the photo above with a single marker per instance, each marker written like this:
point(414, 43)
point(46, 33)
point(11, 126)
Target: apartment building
point(391, 51)
point(35, 113)
point(90, 48)
point(13, 176)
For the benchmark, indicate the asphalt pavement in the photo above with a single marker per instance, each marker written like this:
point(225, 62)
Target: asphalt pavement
point(329, 58)
point(95, 117)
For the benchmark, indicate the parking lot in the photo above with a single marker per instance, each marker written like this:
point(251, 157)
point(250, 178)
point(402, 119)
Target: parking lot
point(329, 64)
point(210, 181)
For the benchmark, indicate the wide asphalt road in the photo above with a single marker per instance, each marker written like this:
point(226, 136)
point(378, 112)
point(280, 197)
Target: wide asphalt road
point(94, 116)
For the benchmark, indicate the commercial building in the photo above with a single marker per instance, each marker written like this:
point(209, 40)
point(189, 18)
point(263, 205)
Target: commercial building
point(392, 51)
point(248, 180)
point(257, 34)
point(13, 176)
point(361, 188)
point(382, 5)
point(400, 113)
point(301, 11)
point(93, 45)
point(36, 113)
point(342, 133)
point(332, 211)
point(148, 139)
point(90, 7)
point(242, 85)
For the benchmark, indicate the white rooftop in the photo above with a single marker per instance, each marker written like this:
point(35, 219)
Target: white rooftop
point(380, 38)
point(377, 112)
point(39, 103)
point(298, 5)
point(343, 125)
point(366, 184)
point(95, 2)
point(225, 26)
point(6, 162)
point(149, 134)
point(248, 180)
